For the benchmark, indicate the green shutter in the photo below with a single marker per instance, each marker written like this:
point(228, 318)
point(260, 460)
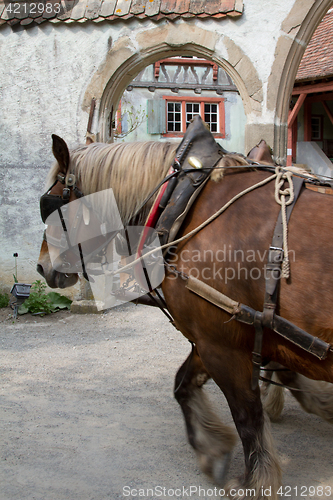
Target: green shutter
point(156, 116)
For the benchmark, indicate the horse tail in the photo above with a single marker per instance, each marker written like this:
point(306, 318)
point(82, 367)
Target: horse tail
point(272, 397)
point(314, 396)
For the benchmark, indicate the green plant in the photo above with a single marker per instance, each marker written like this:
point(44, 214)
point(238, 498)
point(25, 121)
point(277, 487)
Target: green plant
point(4, 299)
point(40, 302)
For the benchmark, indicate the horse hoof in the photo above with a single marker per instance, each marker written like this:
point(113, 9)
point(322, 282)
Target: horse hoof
point(215, 468)
point(221, 468)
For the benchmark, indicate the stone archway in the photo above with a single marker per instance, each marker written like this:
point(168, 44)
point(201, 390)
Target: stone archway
point(125, 61)
point(288, 54)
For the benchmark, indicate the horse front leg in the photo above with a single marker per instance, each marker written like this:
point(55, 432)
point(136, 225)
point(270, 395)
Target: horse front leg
point(212, 440)
point(232, 370)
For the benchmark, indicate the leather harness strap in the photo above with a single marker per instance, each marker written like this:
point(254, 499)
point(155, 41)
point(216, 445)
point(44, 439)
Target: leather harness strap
point(275, 257)
point(272, 279)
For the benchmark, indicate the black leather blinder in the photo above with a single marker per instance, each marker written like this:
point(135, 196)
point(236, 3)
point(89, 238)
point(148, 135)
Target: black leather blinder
point(49, 203)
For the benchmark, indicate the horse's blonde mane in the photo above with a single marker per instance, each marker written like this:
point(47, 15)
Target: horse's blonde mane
point(131, 169)
point(228, 160)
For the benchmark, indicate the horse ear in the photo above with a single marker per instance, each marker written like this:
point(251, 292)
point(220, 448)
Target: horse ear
point(60, 152)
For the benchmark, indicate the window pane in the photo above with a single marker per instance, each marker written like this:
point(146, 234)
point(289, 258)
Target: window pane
point(196, 107)
point(174, 116)
point(211, 116)
point(189, 113)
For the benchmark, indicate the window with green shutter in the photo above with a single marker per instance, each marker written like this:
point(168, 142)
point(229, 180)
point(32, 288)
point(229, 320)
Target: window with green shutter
point(156, 116)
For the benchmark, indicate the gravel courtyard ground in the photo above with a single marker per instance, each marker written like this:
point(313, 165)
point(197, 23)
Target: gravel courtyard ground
point(87, 413)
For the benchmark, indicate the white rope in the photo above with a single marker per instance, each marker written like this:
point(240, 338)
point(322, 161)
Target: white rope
point(280, 198)
point(197, 229)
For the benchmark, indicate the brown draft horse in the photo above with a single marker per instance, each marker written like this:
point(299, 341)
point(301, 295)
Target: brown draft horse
point(229, 254)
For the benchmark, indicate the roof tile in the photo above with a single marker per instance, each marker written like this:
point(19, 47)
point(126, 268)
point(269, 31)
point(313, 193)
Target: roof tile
point(93, 8)
point(107, 8)
point(182, 6)
point(213, 7)
point(122, 7)
point(49, 10)
point(138, 6)
point(40, 20)
point(152, 7)
point(27, 21)
point(111, 10)
point(168, 6)
point(197, 6)
point(7, 13)
point(78, 11)
point(317, 61)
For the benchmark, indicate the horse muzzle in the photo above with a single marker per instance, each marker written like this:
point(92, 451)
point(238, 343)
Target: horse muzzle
point(56, 279)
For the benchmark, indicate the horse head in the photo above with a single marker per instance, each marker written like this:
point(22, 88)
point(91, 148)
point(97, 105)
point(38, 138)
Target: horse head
point(96, 191)
point(59, 194)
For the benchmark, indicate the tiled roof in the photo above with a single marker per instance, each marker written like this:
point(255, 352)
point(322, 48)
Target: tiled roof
point(317, 61)
point(26, 12)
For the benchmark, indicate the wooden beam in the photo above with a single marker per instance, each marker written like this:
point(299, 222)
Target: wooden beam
point(307, 121)
point(312, 89)
point(328, 111)
point(320, 97)
point(292, 140)
point(294, 112)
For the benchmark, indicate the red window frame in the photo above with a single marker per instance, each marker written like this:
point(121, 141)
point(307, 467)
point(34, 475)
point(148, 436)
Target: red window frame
point(202, 100)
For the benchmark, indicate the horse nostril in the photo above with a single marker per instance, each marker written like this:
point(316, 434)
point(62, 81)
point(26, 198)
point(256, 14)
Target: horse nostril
point(40, 270)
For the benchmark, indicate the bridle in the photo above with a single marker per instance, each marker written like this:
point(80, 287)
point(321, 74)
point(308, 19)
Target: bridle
point(57, 204)
point(50, 203)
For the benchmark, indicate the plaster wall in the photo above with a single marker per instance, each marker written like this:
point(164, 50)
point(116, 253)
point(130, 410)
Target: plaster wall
point(50, 73)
